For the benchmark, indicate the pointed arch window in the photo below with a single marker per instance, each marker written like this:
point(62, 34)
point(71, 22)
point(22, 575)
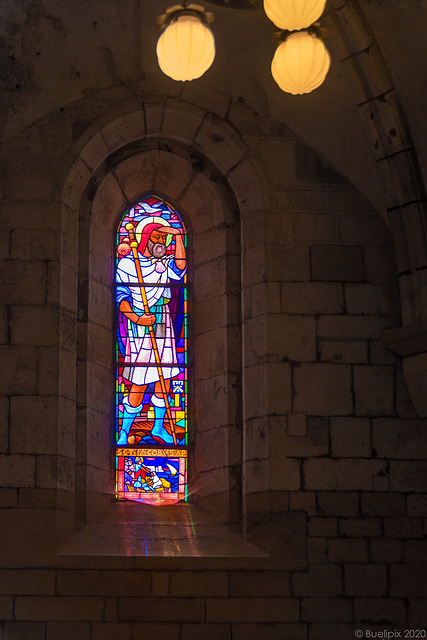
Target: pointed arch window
point(151, 354)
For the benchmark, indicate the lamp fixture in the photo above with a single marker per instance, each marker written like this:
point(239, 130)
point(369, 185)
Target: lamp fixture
point(236, 4)
point(302, 60)
point(300, 63)
point(294, 15)
point(186, 46)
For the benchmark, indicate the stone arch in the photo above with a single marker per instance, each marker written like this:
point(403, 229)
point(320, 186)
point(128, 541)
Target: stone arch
point(207, 172)
point(398, 166)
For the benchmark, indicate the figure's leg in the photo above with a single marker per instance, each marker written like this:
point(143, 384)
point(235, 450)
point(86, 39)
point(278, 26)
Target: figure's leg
point(132, 405)
point(136, 394)
point(158, 387)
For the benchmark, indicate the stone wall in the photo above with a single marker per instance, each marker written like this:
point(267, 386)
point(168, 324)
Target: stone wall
point(316, 443)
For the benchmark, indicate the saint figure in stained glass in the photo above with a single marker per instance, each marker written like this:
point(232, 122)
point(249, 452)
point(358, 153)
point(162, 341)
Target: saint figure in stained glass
point(151, 296)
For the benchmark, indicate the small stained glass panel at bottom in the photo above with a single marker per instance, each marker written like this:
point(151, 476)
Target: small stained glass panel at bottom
point(157, 476)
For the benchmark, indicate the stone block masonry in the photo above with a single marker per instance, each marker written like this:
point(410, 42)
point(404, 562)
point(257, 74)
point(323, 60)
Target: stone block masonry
point(299, 410)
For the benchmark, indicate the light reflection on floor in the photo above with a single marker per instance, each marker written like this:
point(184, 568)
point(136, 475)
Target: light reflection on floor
point(141, 530)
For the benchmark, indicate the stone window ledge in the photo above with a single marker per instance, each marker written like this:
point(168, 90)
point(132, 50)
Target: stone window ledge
point(183, 530)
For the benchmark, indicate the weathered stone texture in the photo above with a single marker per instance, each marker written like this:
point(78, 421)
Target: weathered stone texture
point(210, 444)
point(323, 389)
point(55, 471)
point(302, 200)
point(365, 580)
point(102, 583)
point(408, 580)
point(400, 438)
point(42, 320)
point(33, 421)
point(166, 609)
point(415, 551)
point(326, 609)
point(273, 392)
point(342, 503)
point(291, 337)
point(386, 550)
point(408, 476)
point(342, 551)
point(351, 327)
point(380, 264)
point(369, 299)
point(381, 610)
point(27, 582)
point(360, 229)
point(31, 278)
point(403, 527)
point(28, 630)
point(315, 441)
point(390, 504)
point(4, 428)
point(374, 390)
point(68, 630)
point(316, 227)
point(190, 584)
point(341, 475)
point(262, 609)
point(284, 475)
point(297, 424)
point(361, 527)
point(351, 437)
point(294, 281)
point(317, 550)
point(9, 498)
point(17, 471)
point(323, 527)
point(302, 501)
point(226, 148)
point(355, 351)
point(247, 583)
point(265, 298)
point(3, 325)
point(312, 298)
point(331, 262)
point(211, 630)
point(278, 158)
point(269, 631)
point(50, 608)
point(207, 283)
point(417, 505)
point(318, 581)
point(20, 375)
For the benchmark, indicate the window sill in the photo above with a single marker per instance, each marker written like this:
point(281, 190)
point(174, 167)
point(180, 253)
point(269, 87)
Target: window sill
point(133, 530)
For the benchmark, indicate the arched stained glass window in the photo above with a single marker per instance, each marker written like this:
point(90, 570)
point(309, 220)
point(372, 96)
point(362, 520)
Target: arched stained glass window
point(151, 354)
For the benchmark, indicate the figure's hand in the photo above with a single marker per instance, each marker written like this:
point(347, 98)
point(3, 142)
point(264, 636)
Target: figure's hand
point(146, 320)
point(172, 230)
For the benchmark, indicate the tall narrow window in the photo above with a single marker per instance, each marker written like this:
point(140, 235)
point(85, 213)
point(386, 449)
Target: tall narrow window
point(151, 354)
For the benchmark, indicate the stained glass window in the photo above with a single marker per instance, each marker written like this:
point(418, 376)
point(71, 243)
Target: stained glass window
point(151, 354)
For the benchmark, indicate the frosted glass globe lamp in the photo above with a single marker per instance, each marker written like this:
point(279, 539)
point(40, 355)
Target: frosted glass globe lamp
point(300, 63)
point(186, 48)
point(294, 15)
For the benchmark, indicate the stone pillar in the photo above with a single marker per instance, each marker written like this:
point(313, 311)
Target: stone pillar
point(410, 343)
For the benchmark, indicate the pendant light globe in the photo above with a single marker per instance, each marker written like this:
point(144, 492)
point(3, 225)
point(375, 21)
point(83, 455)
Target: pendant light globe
point(301, 63)
point(186, 48)
point(293, 15)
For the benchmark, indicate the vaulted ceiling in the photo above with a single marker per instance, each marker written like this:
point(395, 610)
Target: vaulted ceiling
point(55, 52)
